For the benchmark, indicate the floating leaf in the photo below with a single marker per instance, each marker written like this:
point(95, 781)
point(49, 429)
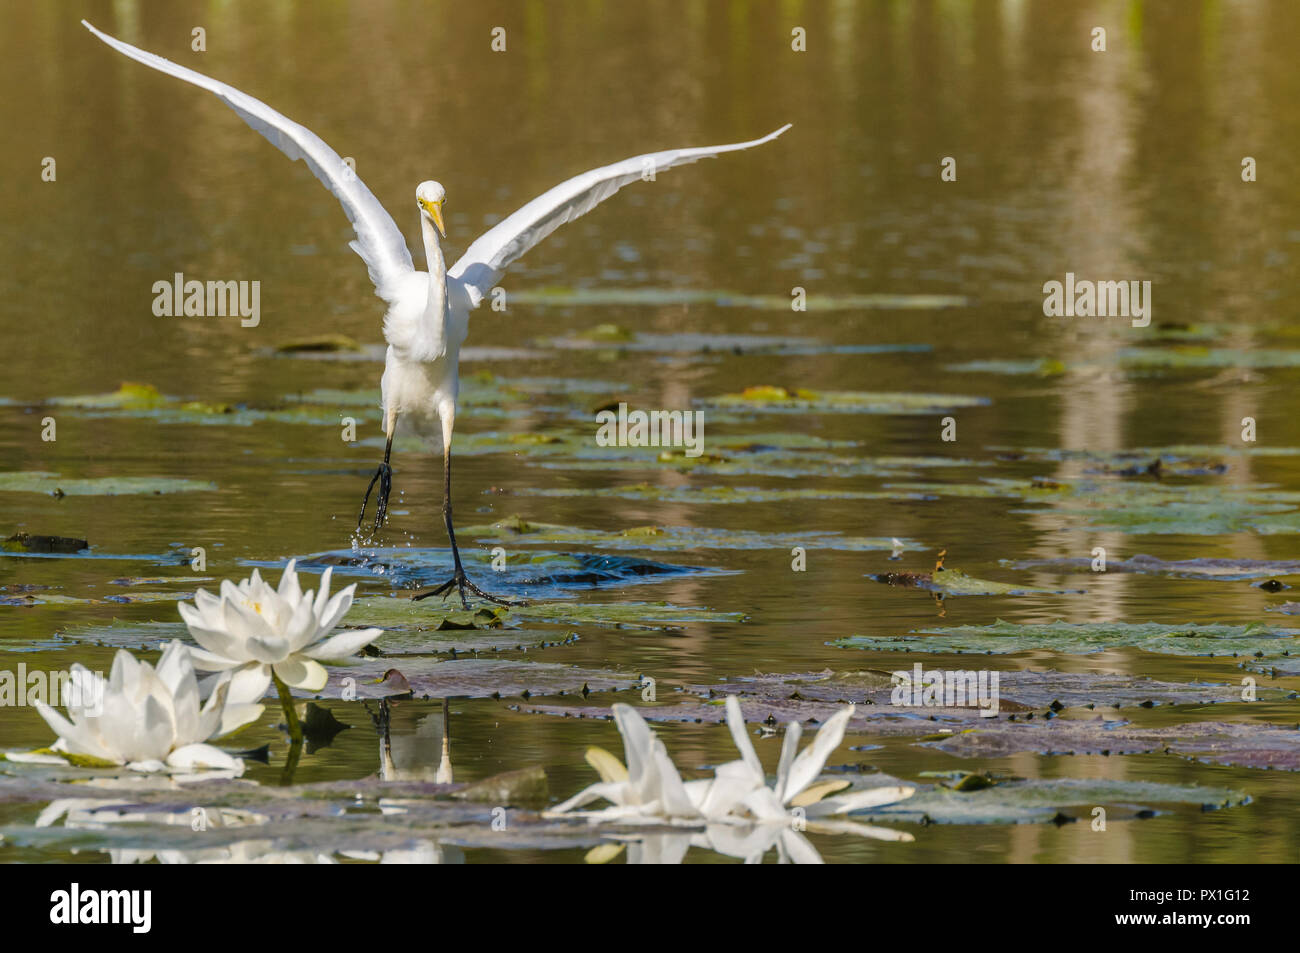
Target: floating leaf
point(471, 677)
point(1084, 638)
point(1247, 745)
point(1041, 801)
point(533, 575)
point(812, 697)
point(32, 543)
point(319, 342)
point(398, 612)
point(798, 400)
point(712, 494)
point(1037, 367)
point(672, 538)
point(954, 582)
point(1199, 568)
point(52, 484)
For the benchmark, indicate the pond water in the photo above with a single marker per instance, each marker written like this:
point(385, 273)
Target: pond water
point(1122, 165)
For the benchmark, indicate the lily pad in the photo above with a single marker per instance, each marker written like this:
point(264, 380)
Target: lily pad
point(319, 342)
point(665, 493)
point(398, 612)
point(812, 697)
point(673, 538)
point(1247, 745)
point(1199, 568)
point(1025, 690)
point(52, 484)
point(33, 543)
point(769, 398)
point(1084, 638)
point(1042, 801)
point(954, 582)
point(532, 574)
point(471, 678)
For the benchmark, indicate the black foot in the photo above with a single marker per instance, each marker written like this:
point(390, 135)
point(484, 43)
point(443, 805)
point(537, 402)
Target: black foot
point(460, 582)
point(384, 477)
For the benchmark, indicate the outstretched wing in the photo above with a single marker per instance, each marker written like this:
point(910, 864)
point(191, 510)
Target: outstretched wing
point(484, 261)
point(379, 241)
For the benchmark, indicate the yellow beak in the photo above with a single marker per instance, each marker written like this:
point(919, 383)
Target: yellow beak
point(435, 212)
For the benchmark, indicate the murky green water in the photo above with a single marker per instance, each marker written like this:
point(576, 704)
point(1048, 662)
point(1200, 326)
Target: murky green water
point(1117, 165)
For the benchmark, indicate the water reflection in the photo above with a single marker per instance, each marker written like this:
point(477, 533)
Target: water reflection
point(413, 745)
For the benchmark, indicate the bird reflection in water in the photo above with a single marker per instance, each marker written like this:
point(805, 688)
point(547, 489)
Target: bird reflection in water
point(414, 744)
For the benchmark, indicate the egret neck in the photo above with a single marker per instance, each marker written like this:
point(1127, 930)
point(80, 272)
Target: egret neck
point(435, 308)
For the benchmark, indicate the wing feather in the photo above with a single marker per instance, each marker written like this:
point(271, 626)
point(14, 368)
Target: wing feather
point(379, 241)
point(507, 241)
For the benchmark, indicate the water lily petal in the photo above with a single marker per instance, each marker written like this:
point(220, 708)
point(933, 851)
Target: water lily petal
point(859, 800)
point(212, 632)
point(205, 661)
point(323, 593)
point(761, 802)
point(862, 830)
point(638, 740)
point(607, 766)
point(234, 717)
point(200, 757)
point(336, 609)
point(176, 672)
point(818, 790)
point(301, 629)
point(343, 645)
point(793, 731)
point(796, 848)
point(615, 793)
point(812, 759)
point(736, 723)
point(249, 684)
point(303, 673)
point(152, 766)
point(289, 589)
point(77, 739)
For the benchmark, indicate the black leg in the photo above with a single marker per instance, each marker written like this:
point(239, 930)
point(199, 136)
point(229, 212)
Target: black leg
point(384, 476)
point(459, 581)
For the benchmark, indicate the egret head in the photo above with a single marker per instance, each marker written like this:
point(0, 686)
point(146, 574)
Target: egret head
point(429, 196)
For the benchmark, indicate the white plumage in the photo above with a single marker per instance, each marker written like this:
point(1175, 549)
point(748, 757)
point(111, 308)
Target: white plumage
point(428, 311)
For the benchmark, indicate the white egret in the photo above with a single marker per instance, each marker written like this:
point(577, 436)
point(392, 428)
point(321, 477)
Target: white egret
point(428, 312)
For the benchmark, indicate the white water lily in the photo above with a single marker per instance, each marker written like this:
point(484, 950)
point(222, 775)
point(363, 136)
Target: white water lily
point(796, 775)
point(254, 631)
point(650, 790)
point(146, 718)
